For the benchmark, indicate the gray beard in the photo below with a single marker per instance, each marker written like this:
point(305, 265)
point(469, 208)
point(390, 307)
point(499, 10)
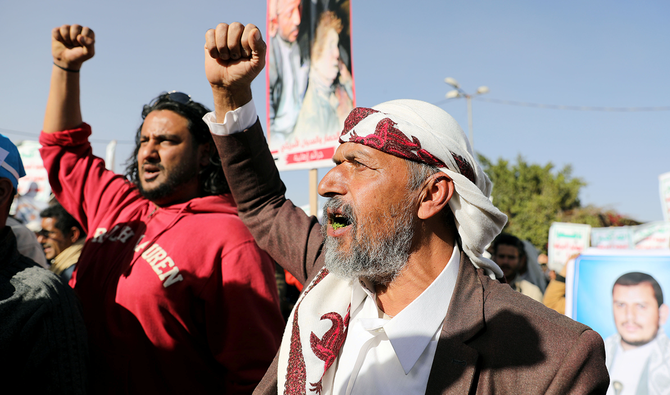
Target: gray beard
point(376, 257)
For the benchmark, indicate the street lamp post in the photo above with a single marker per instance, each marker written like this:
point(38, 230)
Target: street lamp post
point(458, 92)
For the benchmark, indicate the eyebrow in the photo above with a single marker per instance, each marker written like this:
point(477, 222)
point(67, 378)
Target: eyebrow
point(159, 135)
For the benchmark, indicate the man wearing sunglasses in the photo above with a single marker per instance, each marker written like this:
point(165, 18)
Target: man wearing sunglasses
point(62, 239)
point(177, 297)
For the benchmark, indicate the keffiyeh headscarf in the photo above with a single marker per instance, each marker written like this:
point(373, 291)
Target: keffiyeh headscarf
point(422, 132)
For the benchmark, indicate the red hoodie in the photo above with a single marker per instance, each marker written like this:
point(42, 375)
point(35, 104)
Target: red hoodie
point(176, 299)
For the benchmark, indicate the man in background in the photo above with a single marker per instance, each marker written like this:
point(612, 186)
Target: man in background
point(509, 253)
point(638, 355)
point(62, 239)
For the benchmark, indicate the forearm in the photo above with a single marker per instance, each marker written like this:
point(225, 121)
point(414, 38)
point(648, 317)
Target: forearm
point(63, 106)
point(290, 237)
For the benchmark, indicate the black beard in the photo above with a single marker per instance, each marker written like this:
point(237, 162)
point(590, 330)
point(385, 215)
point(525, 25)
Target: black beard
point(380, 258)
point(179, 176)
point(640, 342)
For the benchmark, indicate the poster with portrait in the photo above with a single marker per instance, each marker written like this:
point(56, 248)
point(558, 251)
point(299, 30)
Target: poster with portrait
point(623, 295)
point(309, 78)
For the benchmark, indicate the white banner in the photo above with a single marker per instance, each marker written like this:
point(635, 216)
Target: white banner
point(620, 237)
point(664, 188)
point(566, 239)
point(35, 172)
point(652, 235)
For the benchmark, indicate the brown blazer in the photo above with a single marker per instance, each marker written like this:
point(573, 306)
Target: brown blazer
point(494, 340)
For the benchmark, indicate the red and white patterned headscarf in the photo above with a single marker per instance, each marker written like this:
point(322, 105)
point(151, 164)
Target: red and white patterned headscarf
point(422, 132)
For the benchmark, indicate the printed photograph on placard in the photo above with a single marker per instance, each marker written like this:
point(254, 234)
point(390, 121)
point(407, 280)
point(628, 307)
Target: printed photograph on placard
point(310, 82)
point(623, 295)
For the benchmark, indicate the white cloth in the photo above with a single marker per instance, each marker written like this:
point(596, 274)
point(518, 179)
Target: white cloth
point(478, 221)
point(527, 288)
point(26, 242)
point(627, 369)
point(653, 377)
point(393, 355)
point(234, 121)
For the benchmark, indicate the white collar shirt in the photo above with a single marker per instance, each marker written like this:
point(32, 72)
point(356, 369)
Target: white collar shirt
point(392, 355)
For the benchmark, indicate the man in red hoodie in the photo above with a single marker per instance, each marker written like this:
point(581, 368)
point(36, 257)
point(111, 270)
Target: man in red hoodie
point(177, 296)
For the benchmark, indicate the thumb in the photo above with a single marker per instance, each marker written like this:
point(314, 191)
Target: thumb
point(258, 46)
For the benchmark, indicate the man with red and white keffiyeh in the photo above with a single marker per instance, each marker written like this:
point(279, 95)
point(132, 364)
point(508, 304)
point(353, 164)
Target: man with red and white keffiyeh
point(398, 298)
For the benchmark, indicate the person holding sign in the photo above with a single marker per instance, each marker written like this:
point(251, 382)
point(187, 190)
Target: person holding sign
point(398, 298)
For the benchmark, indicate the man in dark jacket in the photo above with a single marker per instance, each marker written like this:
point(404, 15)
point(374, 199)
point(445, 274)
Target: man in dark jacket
point(42, 335)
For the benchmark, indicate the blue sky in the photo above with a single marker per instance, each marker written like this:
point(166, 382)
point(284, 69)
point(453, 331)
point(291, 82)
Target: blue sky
point(577, 53)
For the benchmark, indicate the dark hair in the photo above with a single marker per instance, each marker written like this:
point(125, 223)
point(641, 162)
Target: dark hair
point(509, 240)
point(212, 179)
point(636, 278)
point(64, 221)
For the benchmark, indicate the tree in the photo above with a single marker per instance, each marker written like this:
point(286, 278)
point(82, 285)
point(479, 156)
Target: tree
point(532, 196)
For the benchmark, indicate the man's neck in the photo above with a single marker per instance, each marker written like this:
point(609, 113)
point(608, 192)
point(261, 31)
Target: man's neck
point(423, 267)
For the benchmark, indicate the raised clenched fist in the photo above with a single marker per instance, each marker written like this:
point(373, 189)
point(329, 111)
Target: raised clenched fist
point(72, 45)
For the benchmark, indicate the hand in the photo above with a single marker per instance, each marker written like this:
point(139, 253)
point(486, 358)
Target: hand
point(72, 45)
point(234, 56)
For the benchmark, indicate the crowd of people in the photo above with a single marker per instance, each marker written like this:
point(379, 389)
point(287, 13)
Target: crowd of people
point(164, 279)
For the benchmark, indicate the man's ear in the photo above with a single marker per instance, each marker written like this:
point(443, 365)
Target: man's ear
point(663, 314)
point(74, 234)
point(205, 151)
point(435, 195)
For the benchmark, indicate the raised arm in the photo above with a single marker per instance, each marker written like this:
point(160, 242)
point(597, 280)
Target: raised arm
point(234, 56)
point(71, 46)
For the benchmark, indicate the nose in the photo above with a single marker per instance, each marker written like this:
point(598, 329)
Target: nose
point(147, 151)
point(630, 313)
point(295, 16)
point(332, 183)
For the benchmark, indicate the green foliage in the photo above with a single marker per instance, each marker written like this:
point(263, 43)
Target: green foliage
point(532, 196)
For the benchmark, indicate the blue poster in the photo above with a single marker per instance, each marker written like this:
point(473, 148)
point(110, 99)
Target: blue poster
point(623, 295)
